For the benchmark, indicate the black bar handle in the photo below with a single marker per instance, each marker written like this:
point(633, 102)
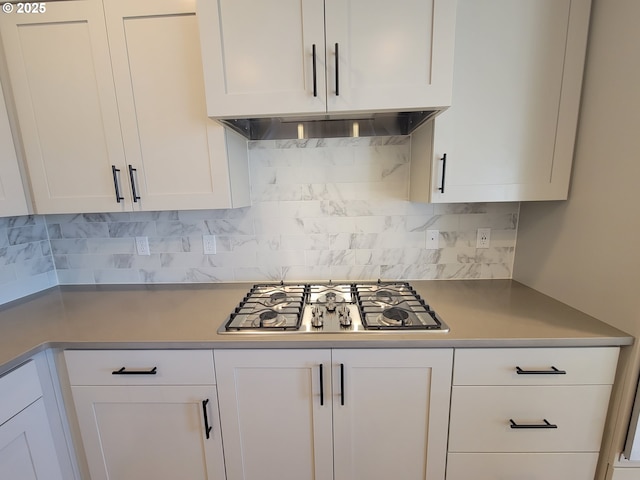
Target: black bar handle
point(553, 371)
point(342, 384)
point(546, 424)
point(207, 428)
point(337, 73)
point(444, 169)
point(321, 385)
point(124, 371)
point(115, 172)
point(315, 77)
point(133, 183)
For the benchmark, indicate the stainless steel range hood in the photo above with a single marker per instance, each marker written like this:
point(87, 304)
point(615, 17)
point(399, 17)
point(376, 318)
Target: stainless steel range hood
point(330, 126)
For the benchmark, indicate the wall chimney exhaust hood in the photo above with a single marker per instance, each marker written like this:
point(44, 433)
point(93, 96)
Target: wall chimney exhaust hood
point(330, 126)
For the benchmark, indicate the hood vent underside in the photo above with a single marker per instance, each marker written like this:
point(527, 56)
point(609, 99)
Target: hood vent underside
point(329, 126)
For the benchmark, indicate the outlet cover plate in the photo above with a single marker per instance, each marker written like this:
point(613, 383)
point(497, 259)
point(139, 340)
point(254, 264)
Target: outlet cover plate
point(483, 240)
point(209, 244)
point(142, 246)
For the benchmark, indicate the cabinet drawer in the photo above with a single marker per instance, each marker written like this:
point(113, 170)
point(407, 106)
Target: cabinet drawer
point(480, 418)
point(18, 389)
point(521, 466)
point(582, 366)
point(172, 367)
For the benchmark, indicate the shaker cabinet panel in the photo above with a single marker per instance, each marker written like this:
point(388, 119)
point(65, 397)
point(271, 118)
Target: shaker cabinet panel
point(27, 451)
point(390, 413)
point(292, 57)
point(160, 432)
point(176, 155)
point(499, 419)
point(12, 194)
point(60, 74)
point(259, 56)
point(389, 55)
point(510, 130)
point(276, 419)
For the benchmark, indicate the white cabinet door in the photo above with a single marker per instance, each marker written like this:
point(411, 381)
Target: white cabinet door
point(276, 418)
point(60, 74)
point(390, 55)
point(510, 131)
point(391, 419)
point(176, 155)
point(27, 451)
point(150, 432)
point(258, 56)
point(12, 196)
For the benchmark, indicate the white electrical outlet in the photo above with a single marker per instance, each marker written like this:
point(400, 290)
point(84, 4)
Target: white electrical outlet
point(142, 246)
point(433, 237)
point(209, 244)
point(483, 240)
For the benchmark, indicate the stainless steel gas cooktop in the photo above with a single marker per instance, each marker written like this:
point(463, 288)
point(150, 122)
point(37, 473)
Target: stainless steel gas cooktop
point(333, 308)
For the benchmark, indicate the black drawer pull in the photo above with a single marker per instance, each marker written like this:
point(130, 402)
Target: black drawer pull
point(123, 371)
point(546, 424)
point(342, 384)
point(207, 427)
point(321, 385)
point(553, 371)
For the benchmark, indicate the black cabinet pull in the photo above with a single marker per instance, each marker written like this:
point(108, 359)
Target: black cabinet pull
point(444, 169)
point(123, 371)
point(553, 371)
point(315, 78)
point(207, 428)
point(337, 73)
point(342, 384)
point(133, 183)
point(321, 385)
point(115, 172)
point(546, 424)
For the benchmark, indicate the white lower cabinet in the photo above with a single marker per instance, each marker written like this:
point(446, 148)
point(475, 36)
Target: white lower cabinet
point(528, 413)
point(521, 466)
point(145, 421)
point(27, 450)
point(344, 414)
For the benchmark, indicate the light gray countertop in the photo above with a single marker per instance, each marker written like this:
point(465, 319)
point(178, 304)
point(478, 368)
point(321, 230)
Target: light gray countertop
point(480, 313)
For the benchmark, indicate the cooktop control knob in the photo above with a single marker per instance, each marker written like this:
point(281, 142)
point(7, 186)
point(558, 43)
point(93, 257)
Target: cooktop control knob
point(317, 317)
point(344, 315)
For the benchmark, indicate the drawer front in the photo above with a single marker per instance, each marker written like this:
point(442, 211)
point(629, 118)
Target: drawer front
point(521, 466)
point(18, 389)
point(480, 418)
point(499, 366)
point(140, 367)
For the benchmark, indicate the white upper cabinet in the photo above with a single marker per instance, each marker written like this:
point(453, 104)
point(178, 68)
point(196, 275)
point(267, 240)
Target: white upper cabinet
point(258, 56)
point(176, 156)
point(312, 56)
point(112, 112)
point(12, 195)
point(385, 55)
point(60, 74)
point(510, 132)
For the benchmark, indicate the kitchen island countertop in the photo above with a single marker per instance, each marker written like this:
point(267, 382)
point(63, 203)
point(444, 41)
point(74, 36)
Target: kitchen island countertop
point(480, 313)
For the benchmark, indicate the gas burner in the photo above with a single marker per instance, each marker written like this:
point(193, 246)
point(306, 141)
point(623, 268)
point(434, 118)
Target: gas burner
point(269, 319)
point(394, 316)
point(333, 308)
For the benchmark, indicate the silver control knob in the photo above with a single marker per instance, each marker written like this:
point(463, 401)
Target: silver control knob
point(317, 317)
point(344, 315)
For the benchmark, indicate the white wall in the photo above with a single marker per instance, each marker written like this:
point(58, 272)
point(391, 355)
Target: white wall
point(586, 251)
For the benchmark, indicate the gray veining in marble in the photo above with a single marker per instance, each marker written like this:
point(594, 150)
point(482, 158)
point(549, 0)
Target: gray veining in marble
point(322, 209)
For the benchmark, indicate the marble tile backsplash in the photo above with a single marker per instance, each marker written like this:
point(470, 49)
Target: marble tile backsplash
point(26, 263)
point(321, 209)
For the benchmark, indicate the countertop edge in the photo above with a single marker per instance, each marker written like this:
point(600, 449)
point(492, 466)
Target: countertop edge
point(259, 343)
